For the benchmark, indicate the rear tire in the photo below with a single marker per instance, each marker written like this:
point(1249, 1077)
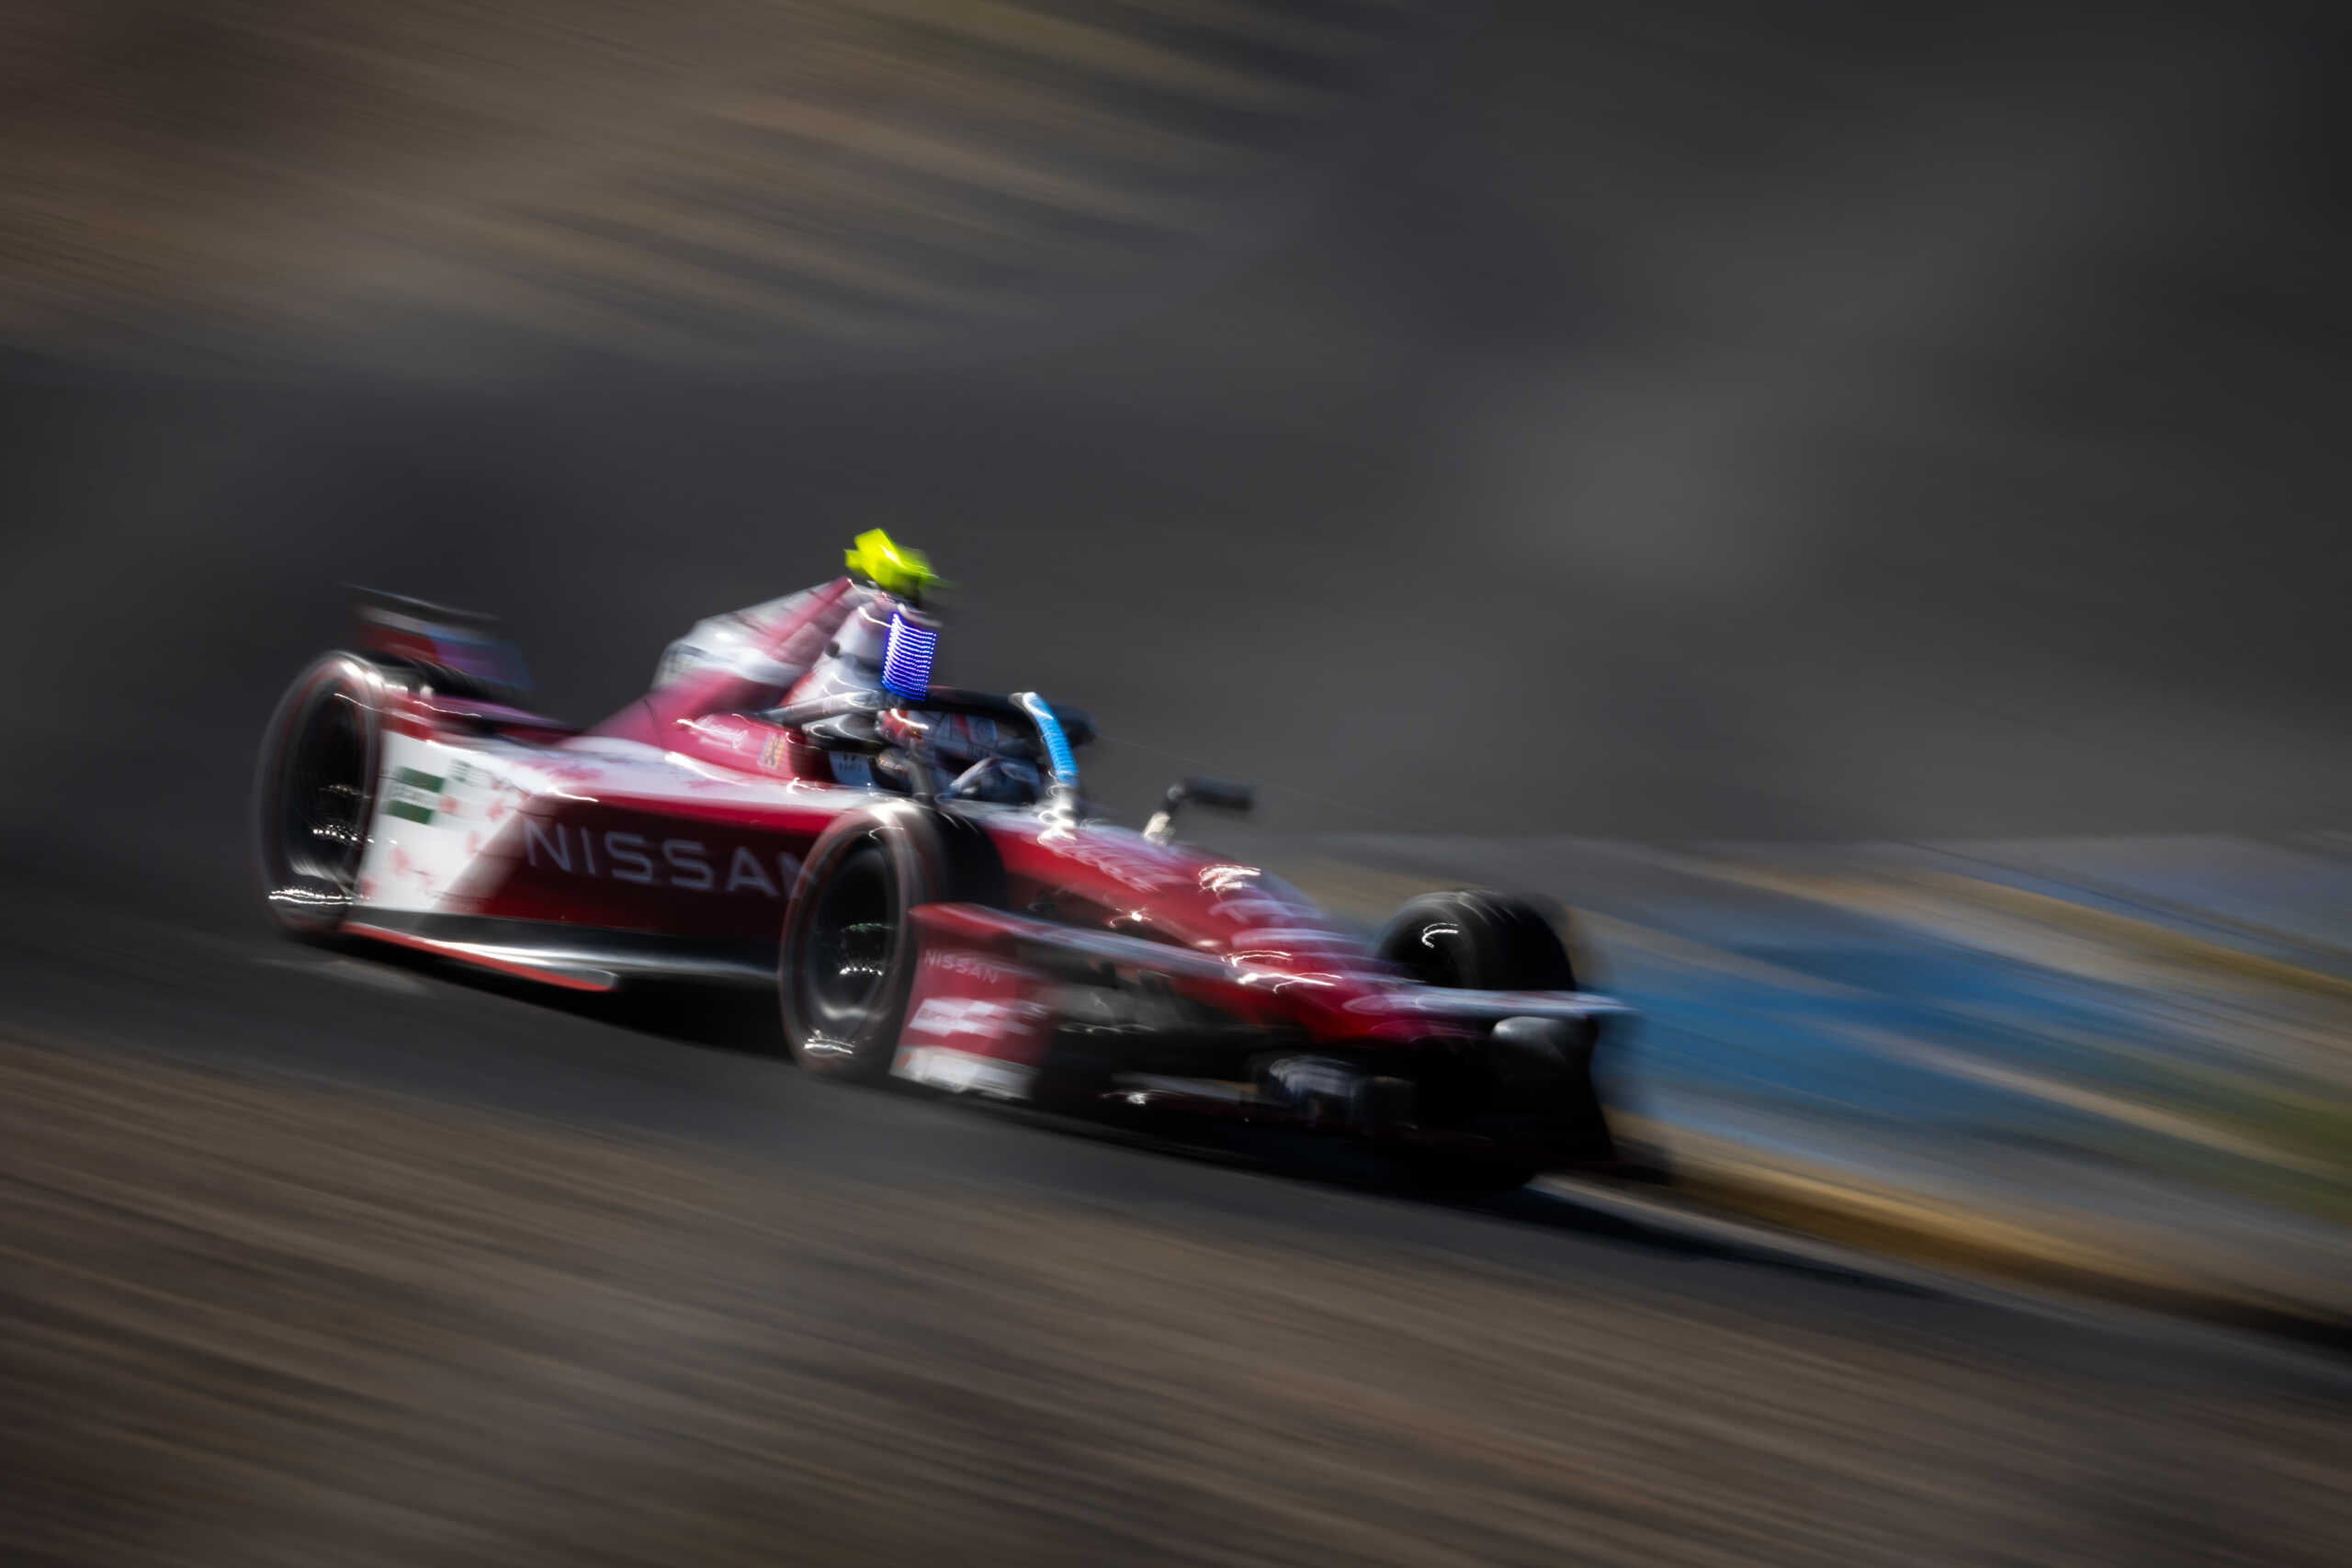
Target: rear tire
point(848, 957)
point(314, 792)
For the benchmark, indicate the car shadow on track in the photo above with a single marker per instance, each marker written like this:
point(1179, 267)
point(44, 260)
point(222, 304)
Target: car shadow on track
point(740, 1018)
point(745, 1021)
point(1311, 1161)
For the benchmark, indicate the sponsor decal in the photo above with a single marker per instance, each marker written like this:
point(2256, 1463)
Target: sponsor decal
point(689, 865)
point(946, 1018)
point(973, 967)
point(413, 795)
point(773, 751)
point(963, 1073)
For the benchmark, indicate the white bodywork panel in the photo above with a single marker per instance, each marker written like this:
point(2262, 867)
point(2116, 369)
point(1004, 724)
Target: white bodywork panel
point(441, 804)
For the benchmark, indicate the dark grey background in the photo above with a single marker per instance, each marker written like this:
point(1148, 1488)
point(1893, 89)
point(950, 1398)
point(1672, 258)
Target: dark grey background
point(1670, 421)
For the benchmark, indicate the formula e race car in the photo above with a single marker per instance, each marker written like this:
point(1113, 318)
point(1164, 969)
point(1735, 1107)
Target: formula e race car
point(923, 913)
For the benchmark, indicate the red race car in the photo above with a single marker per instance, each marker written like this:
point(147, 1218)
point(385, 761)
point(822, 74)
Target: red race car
point(915, 870)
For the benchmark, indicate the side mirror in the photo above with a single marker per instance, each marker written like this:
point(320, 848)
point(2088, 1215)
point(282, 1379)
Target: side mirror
point(1218, 795)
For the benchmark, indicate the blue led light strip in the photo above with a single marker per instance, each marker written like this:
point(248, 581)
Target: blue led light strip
point(906, 663)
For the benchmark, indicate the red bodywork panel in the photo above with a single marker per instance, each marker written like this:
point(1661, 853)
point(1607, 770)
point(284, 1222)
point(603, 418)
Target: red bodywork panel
point(644, 867)
point(711, 853)
point(682, 820)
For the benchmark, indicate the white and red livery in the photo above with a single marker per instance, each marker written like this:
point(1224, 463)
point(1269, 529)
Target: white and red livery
point(1018, 948)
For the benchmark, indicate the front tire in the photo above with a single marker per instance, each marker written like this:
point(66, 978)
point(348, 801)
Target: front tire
point(848, 954)
point(314, 792)
point(1479, 941)
point(1534, 1076)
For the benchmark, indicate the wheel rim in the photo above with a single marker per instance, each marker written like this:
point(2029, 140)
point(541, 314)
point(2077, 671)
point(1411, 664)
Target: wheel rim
point(852, 935)
point(314, 824)
point(321, 832)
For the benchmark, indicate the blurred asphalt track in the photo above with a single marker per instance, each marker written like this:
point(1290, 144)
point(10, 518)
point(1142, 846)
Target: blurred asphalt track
point(283, 1039)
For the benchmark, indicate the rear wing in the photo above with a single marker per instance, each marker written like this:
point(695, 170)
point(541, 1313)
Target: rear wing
point(456, 648)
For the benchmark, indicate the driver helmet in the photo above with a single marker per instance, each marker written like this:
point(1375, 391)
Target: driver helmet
point(878, 559)
point(900, 578)
point(858, 655)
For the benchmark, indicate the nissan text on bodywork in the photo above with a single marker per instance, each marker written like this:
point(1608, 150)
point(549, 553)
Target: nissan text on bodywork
point(918, 873)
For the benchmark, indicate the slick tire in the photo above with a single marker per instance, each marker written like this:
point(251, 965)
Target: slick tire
point(1532, 1083)
point(314, 792)
point(1480, 941)
point(849, 952)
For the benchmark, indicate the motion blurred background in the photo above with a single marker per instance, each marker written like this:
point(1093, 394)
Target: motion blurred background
point(1850, 499)
point(1683, 419)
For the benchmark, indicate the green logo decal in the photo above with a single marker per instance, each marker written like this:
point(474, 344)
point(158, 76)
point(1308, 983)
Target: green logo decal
point(412, 795)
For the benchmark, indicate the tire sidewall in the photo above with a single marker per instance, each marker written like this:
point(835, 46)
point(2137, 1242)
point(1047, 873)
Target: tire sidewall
point(1506, 944)
point(290, 723)
point(930, 857)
